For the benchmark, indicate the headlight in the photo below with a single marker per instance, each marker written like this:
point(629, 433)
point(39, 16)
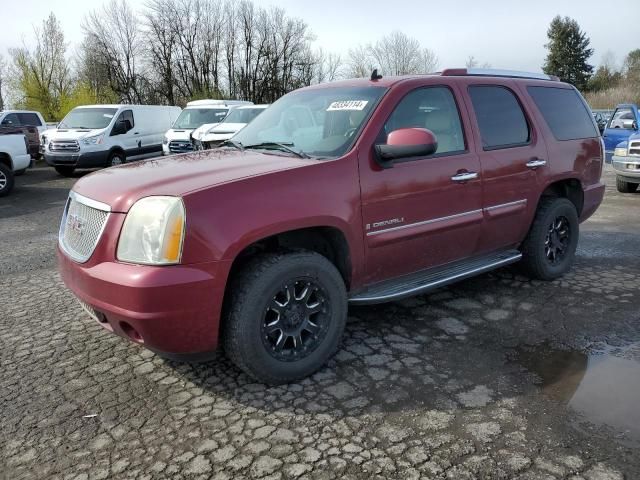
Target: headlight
point(165, 141)
point(153, 232)
point(95, 140)
point(620, 152)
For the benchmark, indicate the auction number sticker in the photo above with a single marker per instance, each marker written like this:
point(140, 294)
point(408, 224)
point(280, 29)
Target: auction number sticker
point(353, 105)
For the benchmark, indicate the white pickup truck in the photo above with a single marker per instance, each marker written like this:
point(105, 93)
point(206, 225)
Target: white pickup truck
point(14, 158)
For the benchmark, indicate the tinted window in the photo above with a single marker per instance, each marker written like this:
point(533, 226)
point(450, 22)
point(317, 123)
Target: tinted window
point(128, 115)
point(433, 108)
point(30, 119)
point(500, 117)
point(11, 119)
point(564, 112)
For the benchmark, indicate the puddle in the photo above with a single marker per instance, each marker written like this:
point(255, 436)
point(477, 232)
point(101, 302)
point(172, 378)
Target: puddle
point(603, 386)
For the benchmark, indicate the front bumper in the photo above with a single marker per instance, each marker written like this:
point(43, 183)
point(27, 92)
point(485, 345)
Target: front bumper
point(593, 195)
point(173, 310)
point(77, 160)
point(627, 168)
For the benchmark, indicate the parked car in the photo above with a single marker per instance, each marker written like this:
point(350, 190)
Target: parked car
point(626, 163)
point(32, 135)
point(394, 187)
point(14, 159)
point(23, 118)
point(234, 122)
point(623, 124)
point(105, 135)
point(601, 120)
point(199, 113)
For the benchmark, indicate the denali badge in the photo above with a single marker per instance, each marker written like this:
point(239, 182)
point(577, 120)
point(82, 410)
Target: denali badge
point(384, 223)
point(76, 223)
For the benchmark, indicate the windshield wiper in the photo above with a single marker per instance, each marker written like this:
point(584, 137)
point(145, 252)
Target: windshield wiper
point(232, 143)
point(282, 146)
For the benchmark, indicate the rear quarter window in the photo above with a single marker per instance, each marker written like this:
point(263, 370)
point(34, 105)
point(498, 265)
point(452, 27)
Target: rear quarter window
point(565, 112)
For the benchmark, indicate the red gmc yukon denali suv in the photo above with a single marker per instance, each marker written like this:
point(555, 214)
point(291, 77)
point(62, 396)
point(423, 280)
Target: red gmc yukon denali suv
point(355, 192)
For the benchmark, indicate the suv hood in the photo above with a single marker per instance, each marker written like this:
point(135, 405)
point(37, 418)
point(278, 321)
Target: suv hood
point(223, 130)
point(121, 186)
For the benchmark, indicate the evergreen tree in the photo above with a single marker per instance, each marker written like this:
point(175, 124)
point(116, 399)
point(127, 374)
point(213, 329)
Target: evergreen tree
point(568, 52)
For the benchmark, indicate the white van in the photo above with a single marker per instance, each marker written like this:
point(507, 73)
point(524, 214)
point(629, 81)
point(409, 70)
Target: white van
point(199, 113)
point(104, 135)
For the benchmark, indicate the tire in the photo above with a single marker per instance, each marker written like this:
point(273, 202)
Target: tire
point(625, 187)
point(538, 258)
point(249, 336)
point(65, 171)
point(116, 158)
point(6, 180)
point(17, 173)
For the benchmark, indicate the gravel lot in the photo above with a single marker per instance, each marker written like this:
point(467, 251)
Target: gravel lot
point(485, 379)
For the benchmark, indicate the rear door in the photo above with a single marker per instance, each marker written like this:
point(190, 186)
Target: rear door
point(417, 215)
point(513, 157)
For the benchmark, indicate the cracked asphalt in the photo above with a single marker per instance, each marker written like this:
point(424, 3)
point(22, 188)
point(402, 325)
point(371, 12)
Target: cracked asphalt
point(431, 387)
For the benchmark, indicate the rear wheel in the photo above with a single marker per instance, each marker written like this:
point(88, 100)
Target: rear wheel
point(625, 187)
point(65, 171)
point(6, 180)
point(285, 316)
point(549, 249)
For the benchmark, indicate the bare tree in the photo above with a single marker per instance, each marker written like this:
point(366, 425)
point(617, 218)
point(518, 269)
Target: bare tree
point(3, 67)
point(328, 66)
point(429, 61)
point(360, 63)
point(397, 54)
point(40, 77)
point(472, 62)
point(114, 31)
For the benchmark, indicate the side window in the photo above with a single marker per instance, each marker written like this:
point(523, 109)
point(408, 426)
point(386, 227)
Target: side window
point(500, 117)
point(126, 115)
point(564, 112)
point(11, 120)
point(433, 108)
point(30, 119)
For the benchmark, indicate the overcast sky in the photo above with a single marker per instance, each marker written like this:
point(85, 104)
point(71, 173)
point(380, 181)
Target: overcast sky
point(506, 34)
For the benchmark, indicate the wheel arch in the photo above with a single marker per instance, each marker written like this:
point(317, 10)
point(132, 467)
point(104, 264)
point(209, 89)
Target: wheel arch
point(569, 188)
point(5, 159)
point(329, 241)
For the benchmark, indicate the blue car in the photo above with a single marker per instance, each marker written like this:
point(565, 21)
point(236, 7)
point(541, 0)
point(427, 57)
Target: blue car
point(622, 124)
point(626, 163)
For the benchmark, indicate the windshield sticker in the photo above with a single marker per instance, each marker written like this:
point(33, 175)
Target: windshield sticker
point(107, 115)
point(350, 105)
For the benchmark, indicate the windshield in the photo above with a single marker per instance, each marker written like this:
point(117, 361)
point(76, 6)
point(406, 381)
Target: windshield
point(195, 117)
point(243, 115)
point(320, 122)
point(88, 118)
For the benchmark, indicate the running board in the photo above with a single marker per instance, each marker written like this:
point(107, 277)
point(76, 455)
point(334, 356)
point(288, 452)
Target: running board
point(431, 279)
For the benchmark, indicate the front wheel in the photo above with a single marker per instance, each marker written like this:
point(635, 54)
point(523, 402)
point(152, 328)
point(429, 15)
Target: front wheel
point(285, 316)
point(116, 158)
point(549, 249)
point(625, 187)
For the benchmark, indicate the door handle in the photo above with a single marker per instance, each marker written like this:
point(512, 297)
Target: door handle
point(136, 133)
point(536, 162)
point(464, 176)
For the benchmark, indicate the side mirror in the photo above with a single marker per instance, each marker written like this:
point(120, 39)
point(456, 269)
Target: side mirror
point(406, 143)
point(630, 125)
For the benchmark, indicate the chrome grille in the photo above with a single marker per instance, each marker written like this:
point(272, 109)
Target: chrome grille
point(64, 146)
point(180, 146)
point(634, 148)
point(82, 224)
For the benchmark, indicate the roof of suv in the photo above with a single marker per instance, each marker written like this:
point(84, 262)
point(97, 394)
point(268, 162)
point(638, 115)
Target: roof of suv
point(449, 72)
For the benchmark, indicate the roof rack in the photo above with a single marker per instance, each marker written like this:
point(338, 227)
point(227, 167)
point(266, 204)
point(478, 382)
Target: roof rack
point(491, 72)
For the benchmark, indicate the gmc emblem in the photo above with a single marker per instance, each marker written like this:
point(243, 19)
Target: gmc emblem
point(76, 223)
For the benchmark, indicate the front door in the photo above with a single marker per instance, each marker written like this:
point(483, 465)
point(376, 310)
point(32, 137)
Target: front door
point(424, 211)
